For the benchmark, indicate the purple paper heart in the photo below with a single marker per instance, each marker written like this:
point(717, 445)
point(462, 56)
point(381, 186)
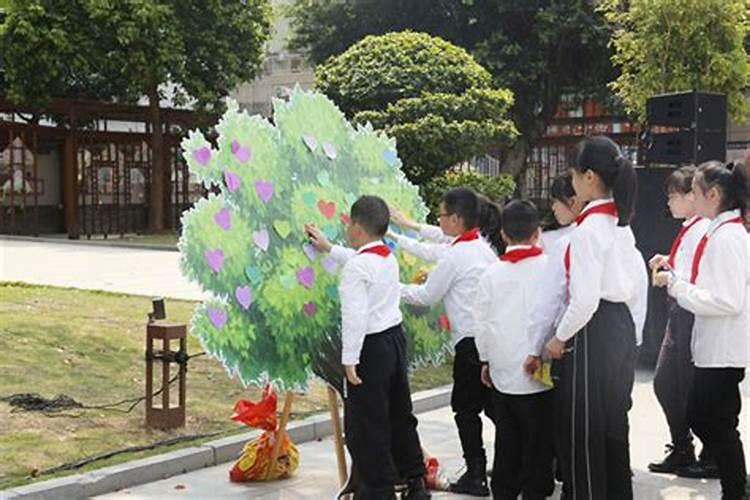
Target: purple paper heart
point(215, 259)
point(218, 317)
point(330, 150)
point(202, 155)
point(242, 153)
point(329, 264)
point(310, 251)
point(310, 141)
point(310, 308)
point(264, 190)
point(223, 219)
point(232, 181)
point(262, 239)
point(244, 296)
point(306, 276)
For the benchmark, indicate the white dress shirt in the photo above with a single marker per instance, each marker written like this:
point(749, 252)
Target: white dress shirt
point(604, 265)
point(507, 292)
point(370, 300)
point(430, 250)
point(719, 297)
point(454, 281)
point(550, 238)
point(683, 259)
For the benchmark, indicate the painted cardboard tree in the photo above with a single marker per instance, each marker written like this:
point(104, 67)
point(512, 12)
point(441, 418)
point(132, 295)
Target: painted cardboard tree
point(274, 308)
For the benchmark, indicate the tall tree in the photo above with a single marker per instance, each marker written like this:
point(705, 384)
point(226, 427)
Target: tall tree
point(675, 45)
point(123, 50)
point(539, 49)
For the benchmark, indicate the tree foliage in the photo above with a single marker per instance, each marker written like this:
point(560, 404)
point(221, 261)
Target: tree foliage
point(498, 188)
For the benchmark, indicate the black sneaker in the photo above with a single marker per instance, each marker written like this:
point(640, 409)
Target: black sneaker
point(471, 484)
point(675, 458)
point(703, 469)
point(416, 490)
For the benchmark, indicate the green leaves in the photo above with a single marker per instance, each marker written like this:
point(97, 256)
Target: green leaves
point(496, 188)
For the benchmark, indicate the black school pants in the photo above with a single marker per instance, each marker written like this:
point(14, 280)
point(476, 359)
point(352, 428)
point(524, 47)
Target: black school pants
point(381, 430)
point(593, 397)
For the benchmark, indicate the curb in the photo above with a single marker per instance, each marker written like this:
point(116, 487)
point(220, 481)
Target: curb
point(216, 452)
point(93, 243)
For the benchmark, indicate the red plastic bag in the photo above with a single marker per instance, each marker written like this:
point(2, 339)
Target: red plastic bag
point(261, 415)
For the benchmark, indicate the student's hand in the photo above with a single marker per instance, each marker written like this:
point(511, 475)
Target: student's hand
point(351, 374)
point(401, 220)
point(532, 365)
point(660, 279)
point(657, 262)
point(485, 376)
point(317, 238)
point(555, 348)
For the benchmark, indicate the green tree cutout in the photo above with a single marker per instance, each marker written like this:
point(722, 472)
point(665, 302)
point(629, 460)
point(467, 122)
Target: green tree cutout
point(274, 308)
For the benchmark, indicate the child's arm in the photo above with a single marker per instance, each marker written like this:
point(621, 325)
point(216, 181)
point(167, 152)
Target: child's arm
point(430, 252)
point(549, 302)
point(434, 289)
point(482, 310)
point(426, 231)
point(354, 309)
point(321, 242)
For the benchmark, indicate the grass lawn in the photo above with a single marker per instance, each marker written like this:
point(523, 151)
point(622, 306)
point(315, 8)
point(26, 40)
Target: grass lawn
point(90, 346)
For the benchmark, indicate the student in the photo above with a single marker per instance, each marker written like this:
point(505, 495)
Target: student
point(601, 327)
point(454, 282)
point(716, 293)
point(381, 430)
point(565, 208)
point(674, 368)
point(522, 406)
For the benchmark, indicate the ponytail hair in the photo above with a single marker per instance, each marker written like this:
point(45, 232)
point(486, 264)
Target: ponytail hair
point(731, 180)
point(602, 155)
point(680, 181)
point(490, 223)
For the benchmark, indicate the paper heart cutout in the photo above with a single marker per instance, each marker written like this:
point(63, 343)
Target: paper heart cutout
point(282, 228)
point(244, 296)
point(218, 317)
point(253, 274)
point(202, 155)
point(323, 178)
point(444, 323)
point(306, 277)
point(332, 292)
point(329, 265)
point(310, 251)
point(232, 181)
point(264, 190)
point(215, 259)
point(390, 157)
point(242, 153)
point(409, 258)
point(330, 231)
point(345, 219)
point(262, 239)
point(330, 150)
point(309, 198)
point(287, 281)
point(310, 141)
point(310, 308)
point(223, 219)
point(327, 208)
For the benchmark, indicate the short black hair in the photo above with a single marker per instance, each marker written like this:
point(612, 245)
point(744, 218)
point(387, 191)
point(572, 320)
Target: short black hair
point(464, 202)
point(520, 220)
point(562, 188)
point(680, 181)
point(372, 213)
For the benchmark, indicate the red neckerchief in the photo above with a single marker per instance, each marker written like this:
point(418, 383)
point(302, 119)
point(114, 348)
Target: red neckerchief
point(678, 241)
point(608, 208)
point(470, 235)
point(702, 247)
point(381, 250)
point(519, 254)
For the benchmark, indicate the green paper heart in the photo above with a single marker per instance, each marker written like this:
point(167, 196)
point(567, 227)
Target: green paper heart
point(287, 281)
point(332, 292)
point(350, 199)
point(282, 228)
point(330, 231)
point(309, 198)
point(323, 178)
point(253, 274)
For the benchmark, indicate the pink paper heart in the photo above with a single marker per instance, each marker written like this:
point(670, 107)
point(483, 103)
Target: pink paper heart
point(330, 150)
point(306, 276)
point(215, 259)
point(264, 189)
point(223, 219)
point(202, 155)
point(232, 180)
point(242, 153)
point(329, 264)
point(310, 308)
point(262, 239)
point(244, 296)
point(310, 251)
point(218, 317)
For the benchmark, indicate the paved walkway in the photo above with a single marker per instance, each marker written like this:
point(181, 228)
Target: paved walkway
point(96, 267)
point(316, 477)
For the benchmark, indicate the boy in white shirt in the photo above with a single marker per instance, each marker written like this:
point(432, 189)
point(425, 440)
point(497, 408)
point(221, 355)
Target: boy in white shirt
point(522, 406)
point(381, 430)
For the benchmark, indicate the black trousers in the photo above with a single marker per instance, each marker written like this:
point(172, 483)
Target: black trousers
point(713, 412)
point(674, 374)
point(469, 398)
point(593, 397)
point(381, 430)
point(523, 446)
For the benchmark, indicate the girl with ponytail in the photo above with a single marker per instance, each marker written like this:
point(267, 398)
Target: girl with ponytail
point(595, 340)
point(716, 292)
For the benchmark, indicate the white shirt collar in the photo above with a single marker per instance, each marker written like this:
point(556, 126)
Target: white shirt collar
point(595, 203)
point(370, 245)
